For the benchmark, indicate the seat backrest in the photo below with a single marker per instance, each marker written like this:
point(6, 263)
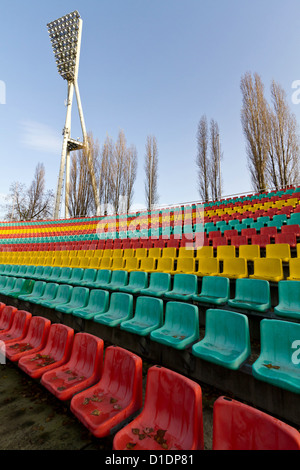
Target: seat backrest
point(7, 317)
point(38, 330)
point(121, 303)
point(185, 283)
point(237, 426)
point(182, 317)
point(98, 299)
point(122, 373)
point(215, 286)
point(64, 293)
point(59, 342)
point(149, 309)
point(160, 281)
point(254, 290)
point(138, 278)
point(174, 402)
point(104, 275)
point(38, 288)
point(278, 340)
point(89, 274)
point(249, 251)
point(278, 250)
point(20, 322)
point(228, 329)
point(119, 277)
point(50, 290)
point(87, 354)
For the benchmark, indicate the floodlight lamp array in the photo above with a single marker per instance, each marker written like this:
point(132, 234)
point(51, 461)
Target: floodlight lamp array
point(63, 34)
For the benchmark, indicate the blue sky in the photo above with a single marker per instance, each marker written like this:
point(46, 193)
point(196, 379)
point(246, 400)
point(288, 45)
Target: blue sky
point(147, 67)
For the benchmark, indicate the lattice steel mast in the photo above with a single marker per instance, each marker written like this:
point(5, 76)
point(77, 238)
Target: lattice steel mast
point(65, 35)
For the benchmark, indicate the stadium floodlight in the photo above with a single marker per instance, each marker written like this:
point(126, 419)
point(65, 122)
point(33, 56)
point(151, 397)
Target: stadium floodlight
point(65, 35)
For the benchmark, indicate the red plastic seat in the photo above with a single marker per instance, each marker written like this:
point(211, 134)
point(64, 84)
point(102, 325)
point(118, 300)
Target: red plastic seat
point(6, 318)
point(34, 340)
point(117, 396)
point(288, 237)
point(237, 426)
point(18, 328)
point(171, 418)
point(55, 353)
point(239, 240)
point(82, 370)
point(293, 228)
point(261, 240)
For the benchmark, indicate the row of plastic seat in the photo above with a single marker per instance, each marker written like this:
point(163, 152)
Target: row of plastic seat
point(105, 393)
point(250, 293)
point(226, 341)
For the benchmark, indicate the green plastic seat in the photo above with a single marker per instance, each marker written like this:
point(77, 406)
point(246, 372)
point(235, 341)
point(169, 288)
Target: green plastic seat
point(65, 275)
point(118, 279)
point(120, 309)
point(63, 296)
point(49, 293)
point(159, 284)
point(79, 298)
point(8, 268)
point(54, 276)
point(3, 281)
point(214, 290)
point(30, 272)
point(46, 274)
point(288, 299)
point(148, 316)
point(98, 303)
point(76, 275)
point(251, 294)
point(89, 275)
point(9, 285)
point(227, 339)
point(278, 363)
point(103, 277)
point(14, 270)
point(22, 271)
point(137, 280)
point(37, 291)
point(2, 269)
point(38, 273)
point(181, 326)
point(21, 287)
point(184, 287)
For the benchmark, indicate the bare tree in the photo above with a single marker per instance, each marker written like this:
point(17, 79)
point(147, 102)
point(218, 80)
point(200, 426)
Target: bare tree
point(130, 170)
point(151, 171)
point(34, 203)
point(105, 177)
point(117, 171)
point(254, 117)
point(202, 159)
point(215, 160)
point(81, 195)
point(284, 141)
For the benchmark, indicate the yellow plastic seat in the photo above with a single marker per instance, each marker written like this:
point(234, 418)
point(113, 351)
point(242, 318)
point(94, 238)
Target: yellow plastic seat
point(294, 269)
point(185, 252)
point(225, 251)
point(249, 252)
point(185, 265)
point(131, 263)
point(95, 262)
point(107, 253)
point(169, 252)
point(208, 267)
point(269, 269)
point(117, 253)
point(141, 253)
point(205, 252)
point(129, 252)
point(147, 264)
point(117, 263)
point(234, 268)
point(154, 252)
point(279, 250)
point(105, 262)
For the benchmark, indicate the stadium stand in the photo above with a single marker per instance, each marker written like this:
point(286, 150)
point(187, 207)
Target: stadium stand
point(209, 292)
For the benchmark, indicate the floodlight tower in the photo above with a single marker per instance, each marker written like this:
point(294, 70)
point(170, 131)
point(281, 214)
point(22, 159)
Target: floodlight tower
point(65, 35)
